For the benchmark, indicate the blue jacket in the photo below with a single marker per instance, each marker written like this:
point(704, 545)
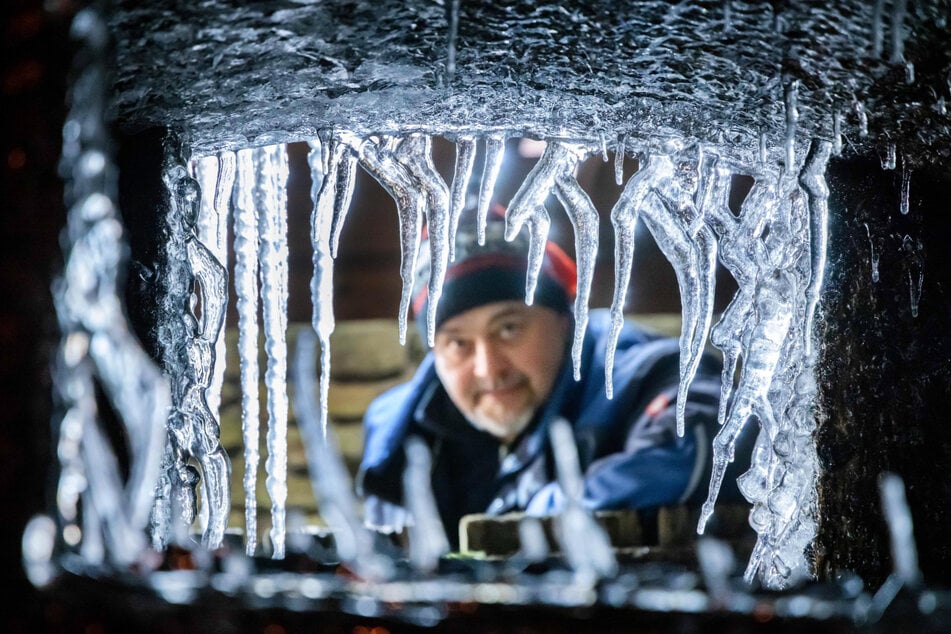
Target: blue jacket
point(628, 446)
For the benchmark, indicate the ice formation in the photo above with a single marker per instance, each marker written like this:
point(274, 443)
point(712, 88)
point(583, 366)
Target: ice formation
point(99, 514)
point(774, 247)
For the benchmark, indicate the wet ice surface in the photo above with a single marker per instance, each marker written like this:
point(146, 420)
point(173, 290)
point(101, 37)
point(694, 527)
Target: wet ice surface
point(234, 75)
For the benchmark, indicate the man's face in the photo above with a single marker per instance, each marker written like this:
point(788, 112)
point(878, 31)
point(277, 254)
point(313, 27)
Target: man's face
point(498, 363)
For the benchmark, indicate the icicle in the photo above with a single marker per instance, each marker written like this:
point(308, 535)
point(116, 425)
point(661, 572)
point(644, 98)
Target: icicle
point(272, 259)
point(909, 73)
point(416, 154)
point(604, 146)
point(584, 544)
point(246, 289)
point(900, 528)
point(329, 479)
point(812, 179)
point(899, 9)
point(211, 281)
point(494, 154)
point(862, 116)
point(791, 98)
point(223, 189)
point(888, 163)
point(346, 177)
point(691, 248)
point(465, 160)
point(427, 538)
point(914, 266)
point(874, 256)
point(624, 220)
point(763, 156)
point(584, 218)
point(837, 133)
point(619, 161)
point(905, 186)
point(528, 205)
point(406, 191)
point(323, 193)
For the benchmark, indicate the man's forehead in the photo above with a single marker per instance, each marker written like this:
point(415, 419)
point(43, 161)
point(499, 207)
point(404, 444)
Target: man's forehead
point(485, 314)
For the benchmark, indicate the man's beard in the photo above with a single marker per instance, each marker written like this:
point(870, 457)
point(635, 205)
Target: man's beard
point(506, 432)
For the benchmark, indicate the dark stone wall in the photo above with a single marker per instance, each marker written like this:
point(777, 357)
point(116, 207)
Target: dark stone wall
point(884, 373)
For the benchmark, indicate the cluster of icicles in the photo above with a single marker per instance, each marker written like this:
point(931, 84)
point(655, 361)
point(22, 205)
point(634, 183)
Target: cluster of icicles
point(774, 248)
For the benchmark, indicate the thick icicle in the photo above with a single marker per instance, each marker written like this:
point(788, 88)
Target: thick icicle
point(494, 155)
point(691, 248)
point(462, 173)
point(585, 220)
point(764, 325)
point(204, 445)
point(381, 164)
point(624, 219)
point(216, 176)
point(584, 544)
point(272, 259)
point(415, 152)
point(813, 181)
point(246, 289)
point(189, 342)
point(528, 205)
point(329, 479)
point(323, 193)
point(619, 161)
point(427, 538)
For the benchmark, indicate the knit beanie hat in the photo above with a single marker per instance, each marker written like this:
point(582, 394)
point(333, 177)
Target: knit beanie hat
point(493, 272)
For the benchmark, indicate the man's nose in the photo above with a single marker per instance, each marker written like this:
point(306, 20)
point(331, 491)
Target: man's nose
point(488, 360)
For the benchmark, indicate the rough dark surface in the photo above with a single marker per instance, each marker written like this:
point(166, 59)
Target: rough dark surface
point(226, 74)
point(885, 374)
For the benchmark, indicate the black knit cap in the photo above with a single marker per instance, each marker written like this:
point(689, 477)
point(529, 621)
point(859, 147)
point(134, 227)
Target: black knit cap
point(493, 272)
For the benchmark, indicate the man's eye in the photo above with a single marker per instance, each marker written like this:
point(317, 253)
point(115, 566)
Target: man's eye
point(510, 330)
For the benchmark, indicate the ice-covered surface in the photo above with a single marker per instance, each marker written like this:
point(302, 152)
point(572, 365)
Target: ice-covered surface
point(233, 74)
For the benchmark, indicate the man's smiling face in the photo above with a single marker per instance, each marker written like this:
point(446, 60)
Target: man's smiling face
point(498, 363)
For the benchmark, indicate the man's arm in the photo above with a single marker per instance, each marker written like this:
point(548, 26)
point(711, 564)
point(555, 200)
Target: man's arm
point(652, 465)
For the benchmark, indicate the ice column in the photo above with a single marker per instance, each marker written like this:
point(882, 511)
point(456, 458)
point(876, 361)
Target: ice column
point(190, 356)
point(215, 175)
point(775, 250)
point(246, 289)
point(96, 346)
point(270, 199)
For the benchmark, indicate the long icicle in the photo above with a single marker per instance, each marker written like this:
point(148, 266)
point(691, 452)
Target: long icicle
point(624, 216)
point(812, 179)
point(246, 289)
point(272, 256)
point(462, 174)
point(416, 155)
point(690, 247)
point(324, 194)
point(379, 162)
point(584, 218)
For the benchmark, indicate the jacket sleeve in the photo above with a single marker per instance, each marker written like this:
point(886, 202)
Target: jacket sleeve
point(653, 466)
point(656, 467)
